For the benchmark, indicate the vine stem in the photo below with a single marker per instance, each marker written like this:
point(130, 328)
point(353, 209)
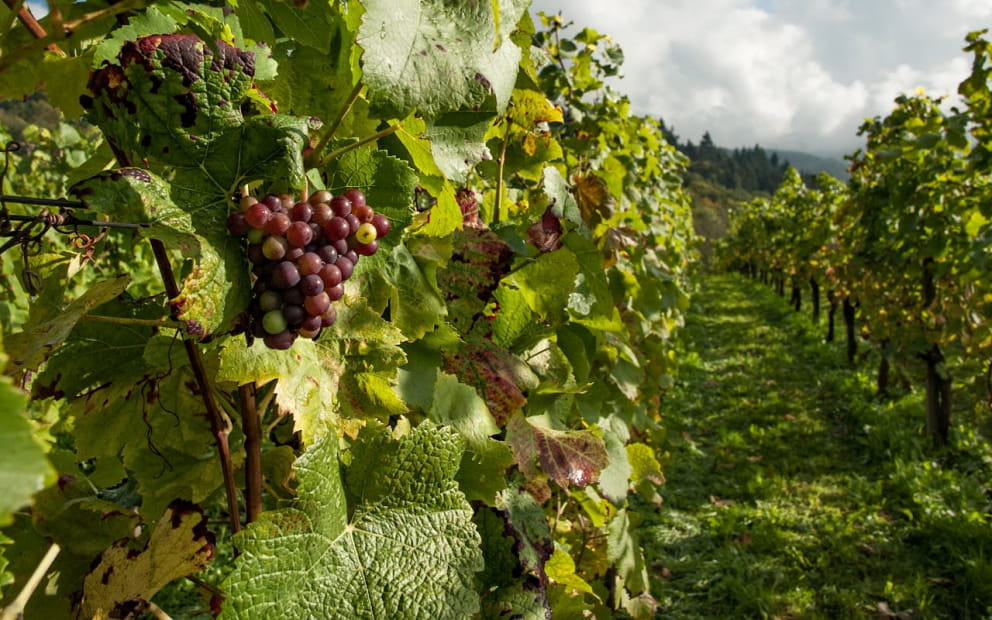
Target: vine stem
point(344, 149)
point(68, 27)
point(16, 609)
point(252, 426)
point(326, 138)
point(119, 320)
point(27, 19)
point(217, 426)
point(501, 162)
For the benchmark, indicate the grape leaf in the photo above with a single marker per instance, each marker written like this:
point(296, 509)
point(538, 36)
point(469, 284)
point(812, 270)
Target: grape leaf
point(23, 466)
point(170, 96)
point(486, 459)
point(614, 480)
point(478, 261)
point(495, 373)
point(123, 582)
point(307, 381)
point(149, 418)
point(74, 515)
point(27, 349)
point(391, 537)
point(436, 56)
point(458, 140)
point(546, 283)
point(527, 523)
point(415, 304)
point(567, 457)
point(309, 23)
point(625, 552)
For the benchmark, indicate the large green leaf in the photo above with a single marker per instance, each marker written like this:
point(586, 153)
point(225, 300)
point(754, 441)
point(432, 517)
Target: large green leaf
point(436, 56)
point(391, 537)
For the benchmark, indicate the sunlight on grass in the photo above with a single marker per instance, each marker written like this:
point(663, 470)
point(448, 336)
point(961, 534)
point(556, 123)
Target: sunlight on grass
point(794, 493)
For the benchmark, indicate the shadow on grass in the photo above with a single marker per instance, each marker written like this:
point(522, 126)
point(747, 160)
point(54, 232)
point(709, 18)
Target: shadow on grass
point(793, 493)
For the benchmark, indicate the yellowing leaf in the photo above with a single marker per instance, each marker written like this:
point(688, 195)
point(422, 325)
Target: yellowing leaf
point(123, 582)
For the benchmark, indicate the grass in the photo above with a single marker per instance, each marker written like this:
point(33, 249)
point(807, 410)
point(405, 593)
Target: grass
point(794, 493)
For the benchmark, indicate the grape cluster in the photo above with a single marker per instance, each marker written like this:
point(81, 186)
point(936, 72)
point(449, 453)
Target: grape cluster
point(301, 254)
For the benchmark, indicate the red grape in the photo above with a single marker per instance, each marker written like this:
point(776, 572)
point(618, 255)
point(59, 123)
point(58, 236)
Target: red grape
point(331, 275)
point(321, 195)
point(381, 223)
point(328, 253)
point(367, 249)
point(278, 224)
point(285, 275)
point(299, 234)
point(346, 266)
point(294, 314)
point(309, 263)
point(336, 229)
point(311, 285)
point(322, 214)
point(280, 341)
point(340, 206)
point(237, 225)
point(317, 304)
point(364, 213)
point(301, 212)
point(257, 215)
point(356, 197)
point(274, 248)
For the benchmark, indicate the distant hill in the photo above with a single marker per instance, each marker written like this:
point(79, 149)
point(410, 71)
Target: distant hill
point(808, 164)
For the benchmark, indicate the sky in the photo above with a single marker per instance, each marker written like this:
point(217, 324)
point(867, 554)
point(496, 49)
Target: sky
point(785, 74)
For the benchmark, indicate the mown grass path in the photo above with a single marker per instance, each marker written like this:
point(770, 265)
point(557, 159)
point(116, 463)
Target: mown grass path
point(793, 493)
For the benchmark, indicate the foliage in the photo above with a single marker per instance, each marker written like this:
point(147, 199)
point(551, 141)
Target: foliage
point(907, 238)
point(488, 397)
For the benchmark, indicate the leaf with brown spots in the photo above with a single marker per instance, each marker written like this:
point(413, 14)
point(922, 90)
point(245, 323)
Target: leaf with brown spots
point(124, 580)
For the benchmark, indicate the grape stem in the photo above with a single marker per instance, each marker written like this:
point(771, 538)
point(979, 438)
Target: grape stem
point(344, 149)
point(216, 418)
point(326, 138)
point(16, 608)
point(252, 426)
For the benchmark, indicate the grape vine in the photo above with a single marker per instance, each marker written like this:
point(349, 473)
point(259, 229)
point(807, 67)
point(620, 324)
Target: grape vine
point(903, 246)
point(389, 340)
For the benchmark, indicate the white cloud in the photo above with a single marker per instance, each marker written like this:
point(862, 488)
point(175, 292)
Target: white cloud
point(798, 74)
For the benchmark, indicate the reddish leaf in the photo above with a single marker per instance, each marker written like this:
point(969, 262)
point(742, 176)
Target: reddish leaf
point(567, 457)
point(498, 376)
point(545, 234)
point(479, 261)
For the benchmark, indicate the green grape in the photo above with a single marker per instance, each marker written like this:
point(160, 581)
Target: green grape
point(273, 322)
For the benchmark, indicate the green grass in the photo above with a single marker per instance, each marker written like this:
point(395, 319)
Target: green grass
point(794, 493)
